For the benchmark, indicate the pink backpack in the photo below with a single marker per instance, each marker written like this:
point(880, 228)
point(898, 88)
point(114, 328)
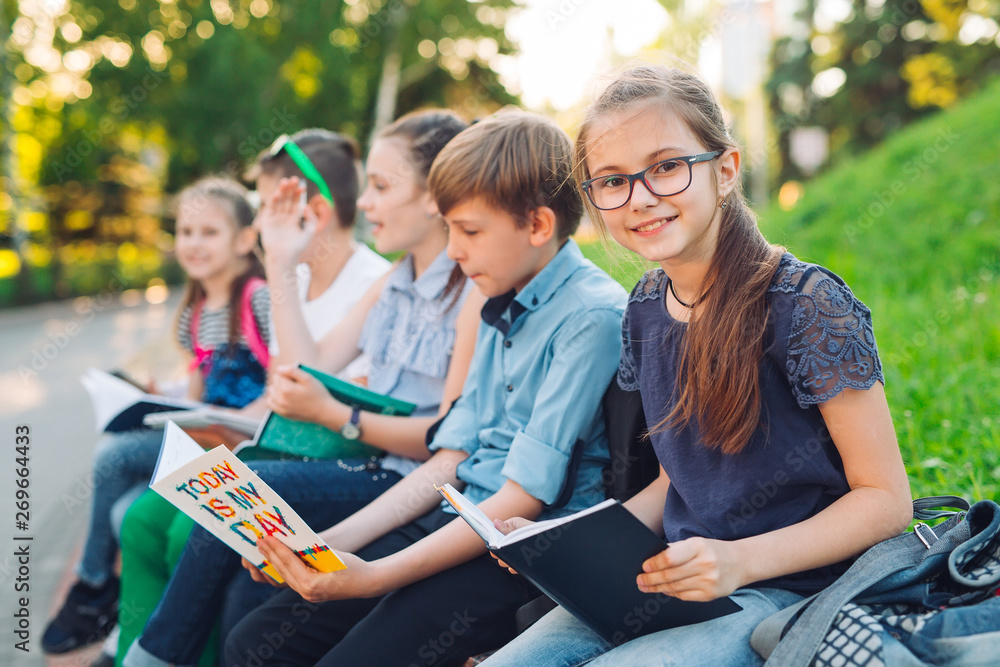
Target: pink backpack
point(248, 327)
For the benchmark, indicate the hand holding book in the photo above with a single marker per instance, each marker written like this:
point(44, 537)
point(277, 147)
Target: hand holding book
point(295, 394)
point(589, 562)
point(357, 580)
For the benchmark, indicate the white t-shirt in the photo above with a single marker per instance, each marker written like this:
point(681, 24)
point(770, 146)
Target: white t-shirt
point(327, 310)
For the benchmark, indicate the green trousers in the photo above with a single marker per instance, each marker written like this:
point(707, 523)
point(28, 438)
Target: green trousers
point(153, 536)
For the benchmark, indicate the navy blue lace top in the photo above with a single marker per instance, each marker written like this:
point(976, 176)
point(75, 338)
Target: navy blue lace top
point(818, 341)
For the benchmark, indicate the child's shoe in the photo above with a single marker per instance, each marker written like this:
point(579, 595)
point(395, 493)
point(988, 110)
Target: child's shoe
point(86, 617)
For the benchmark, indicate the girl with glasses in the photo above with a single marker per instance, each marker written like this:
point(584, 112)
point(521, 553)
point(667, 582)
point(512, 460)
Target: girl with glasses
point(760, 381)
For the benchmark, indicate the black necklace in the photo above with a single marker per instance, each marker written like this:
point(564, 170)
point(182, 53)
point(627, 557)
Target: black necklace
point(670, 284)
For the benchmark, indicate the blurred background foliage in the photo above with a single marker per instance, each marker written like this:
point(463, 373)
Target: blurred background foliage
point(108, 106)
point(862, 69)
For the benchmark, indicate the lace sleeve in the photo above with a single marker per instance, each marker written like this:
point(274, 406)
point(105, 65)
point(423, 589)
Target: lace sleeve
point(831, 343)
point(649, 287)
point(628, 376)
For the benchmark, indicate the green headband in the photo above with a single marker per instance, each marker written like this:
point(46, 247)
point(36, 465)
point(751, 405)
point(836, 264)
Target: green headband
point(302, 161)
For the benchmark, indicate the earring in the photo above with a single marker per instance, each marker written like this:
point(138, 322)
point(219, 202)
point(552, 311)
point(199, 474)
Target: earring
point(723, 205)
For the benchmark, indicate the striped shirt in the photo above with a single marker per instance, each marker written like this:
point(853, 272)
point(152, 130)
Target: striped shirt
point(213, 325)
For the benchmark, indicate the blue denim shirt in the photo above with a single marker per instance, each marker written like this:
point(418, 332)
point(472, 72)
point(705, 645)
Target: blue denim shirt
point(544, 358)
point(410, 332)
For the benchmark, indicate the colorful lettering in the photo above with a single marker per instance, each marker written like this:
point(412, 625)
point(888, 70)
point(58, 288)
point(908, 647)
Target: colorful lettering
point(239, 500)
point(221, 507)
point(280, 519)
point(225, 470)
point(248, 492)
point(191, 482)
point(268, 527)
point(212, 512)
point(211, 480)
point(240, 528)
point(187, 489)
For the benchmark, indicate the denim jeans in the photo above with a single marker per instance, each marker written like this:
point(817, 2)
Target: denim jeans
point(121, 461)
point(209, 578)
point(559, 639)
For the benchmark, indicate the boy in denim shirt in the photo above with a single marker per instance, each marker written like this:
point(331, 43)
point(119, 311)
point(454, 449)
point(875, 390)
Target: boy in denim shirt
point(526, 438)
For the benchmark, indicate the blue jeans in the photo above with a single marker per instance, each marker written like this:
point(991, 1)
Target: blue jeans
point(121, 461)
point(560, 639)
point(209, 581)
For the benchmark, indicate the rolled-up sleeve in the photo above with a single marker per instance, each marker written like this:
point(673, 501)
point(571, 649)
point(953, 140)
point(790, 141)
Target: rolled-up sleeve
point(567, 408)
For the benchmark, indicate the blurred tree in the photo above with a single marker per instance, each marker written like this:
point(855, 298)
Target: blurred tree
point(885, 63)
point(123, 100)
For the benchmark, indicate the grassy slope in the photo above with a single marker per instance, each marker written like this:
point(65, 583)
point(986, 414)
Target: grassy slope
point(914, 229)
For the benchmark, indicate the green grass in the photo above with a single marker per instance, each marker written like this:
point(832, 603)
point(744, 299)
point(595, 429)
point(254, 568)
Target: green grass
point(914, 229)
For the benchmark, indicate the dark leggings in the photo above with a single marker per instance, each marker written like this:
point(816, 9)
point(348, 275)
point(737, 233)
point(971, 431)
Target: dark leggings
point(441, 620)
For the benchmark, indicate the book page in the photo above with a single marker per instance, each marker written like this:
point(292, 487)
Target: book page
point(225, 497)
point(475, 517)
point(541, 526)
point(111, 396)
point(108, 394)
point(203, 418)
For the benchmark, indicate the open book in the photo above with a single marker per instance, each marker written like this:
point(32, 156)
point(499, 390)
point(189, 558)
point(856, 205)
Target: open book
point(204, 417)
point(280, 437)
point(230, 501)
point(588, 563)
point(120, 406)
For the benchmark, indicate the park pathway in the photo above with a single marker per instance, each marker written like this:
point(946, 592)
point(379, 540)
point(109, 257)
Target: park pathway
point(43, 351)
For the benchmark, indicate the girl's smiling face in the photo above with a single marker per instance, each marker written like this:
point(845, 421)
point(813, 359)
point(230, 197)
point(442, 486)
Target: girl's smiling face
point(207, 243)
point(393, 201)
point(668, 230)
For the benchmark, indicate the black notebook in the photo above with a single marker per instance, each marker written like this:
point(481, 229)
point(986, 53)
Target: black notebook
point(588, 563)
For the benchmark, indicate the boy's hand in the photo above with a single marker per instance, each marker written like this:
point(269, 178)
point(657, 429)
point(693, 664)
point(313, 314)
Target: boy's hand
point(286, 224)
point(506, 527)
point(297, 395)
point(696, 569)
point(359, 580)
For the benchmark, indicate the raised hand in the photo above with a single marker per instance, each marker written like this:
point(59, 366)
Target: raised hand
point(286, 223)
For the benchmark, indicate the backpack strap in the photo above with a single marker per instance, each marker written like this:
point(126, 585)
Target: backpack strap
point(200, 353)
point(248, 322)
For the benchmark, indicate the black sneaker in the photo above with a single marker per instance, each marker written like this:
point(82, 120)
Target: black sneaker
point(87, 616)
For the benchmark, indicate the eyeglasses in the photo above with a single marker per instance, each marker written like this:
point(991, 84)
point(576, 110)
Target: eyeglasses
point(663, 179)
point(302, 161)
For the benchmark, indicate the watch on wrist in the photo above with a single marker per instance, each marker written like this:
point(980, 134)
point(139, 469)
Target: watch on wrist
point(351, 430)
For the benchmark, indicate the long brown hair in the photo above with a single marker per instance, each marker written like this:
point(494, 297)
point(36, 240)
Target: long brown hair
point(231, 197)
point(427, 132)
point(718, 375)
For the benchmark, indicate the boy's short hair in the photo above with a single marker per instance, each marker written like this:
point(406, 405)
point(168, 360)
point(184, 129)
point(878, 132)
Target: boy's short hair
point(335, 156)
point(515, 162)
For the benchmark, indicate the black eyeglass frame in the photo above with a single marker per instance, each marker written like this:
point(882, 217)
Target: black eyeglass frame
point(689, 160)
